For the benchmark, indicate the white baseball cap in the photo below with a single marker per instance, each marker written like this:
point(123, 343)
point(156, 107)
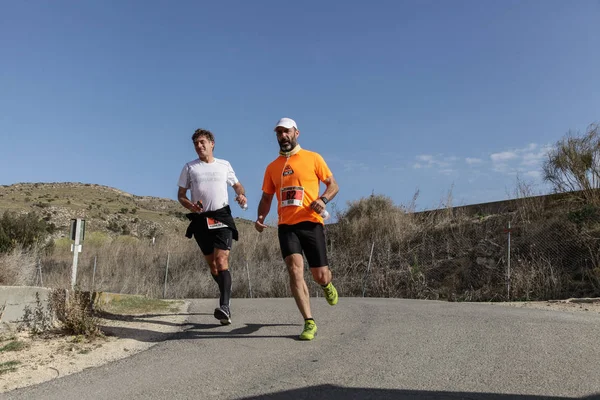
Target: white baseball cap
point(287, 123)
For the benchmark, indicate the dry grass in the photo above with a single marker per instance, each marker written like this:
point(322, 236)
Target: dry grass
point(18, 267)
point(442, 254)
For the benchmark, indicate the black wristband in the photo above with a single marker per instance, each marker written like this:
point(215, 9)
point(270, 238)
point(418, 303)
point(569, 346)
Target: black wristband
point(324, 199)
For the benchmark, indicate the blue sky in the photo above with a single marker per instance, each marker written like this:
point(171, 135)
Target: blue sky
point(396, 95)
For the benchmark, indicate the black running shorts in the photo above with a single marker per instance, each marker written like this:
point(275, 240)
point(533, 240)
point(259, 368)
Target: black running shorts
point(212, 239)
point(305, 236)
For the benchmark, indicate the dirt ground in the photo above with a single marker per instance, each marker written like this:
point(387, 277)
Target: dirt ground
point(591, 305)
point(48, 356)
point(51, 356)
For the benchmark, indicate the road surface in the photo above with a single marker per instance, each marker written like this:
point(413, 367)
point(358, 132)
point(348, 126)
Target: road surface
point(365, 349)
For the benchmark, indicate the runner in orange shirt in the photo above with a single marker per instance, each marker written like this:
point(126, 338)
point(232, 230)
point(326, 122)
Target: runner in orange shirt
point(294, 177)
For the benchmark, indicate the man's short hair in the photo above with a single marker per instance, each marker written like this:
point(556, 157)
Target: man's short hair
point(203, 133)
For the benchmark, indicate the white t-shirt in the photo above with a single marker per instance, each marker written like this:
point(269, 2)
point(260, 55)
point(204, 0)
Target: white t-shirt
point(208, 182)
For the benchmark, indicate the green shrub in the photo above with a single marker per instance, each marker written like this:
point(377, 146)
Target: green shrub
point(26, 230)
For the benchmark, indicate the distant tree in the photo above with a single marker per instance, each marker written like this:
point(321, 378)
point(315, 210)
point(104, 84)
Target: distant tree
point(125, 229)
point(26, 230)
point(114, 226)
point(5, 242)
point(573, 165)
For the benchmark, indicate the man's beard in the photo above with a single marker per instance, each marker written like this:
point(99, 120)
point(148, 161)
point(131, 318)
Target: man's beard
point(288, 146)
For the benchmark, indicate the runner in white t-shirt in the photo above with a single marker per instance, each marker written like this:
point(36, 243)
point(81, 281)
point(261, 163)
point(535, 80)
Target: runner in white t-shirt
point(207, 179)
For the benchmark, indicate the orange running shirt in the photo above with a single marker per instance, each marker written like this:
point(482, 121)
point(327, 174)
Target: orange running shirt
point(296, 180)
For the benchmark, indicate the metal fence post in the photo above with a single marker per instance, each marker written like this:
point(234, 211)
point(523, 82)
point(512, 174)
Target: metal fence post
point(249, 283)
point(508, 265)
point(40, 272)
point(166, 273)
point(368, 268)
point(94, 274)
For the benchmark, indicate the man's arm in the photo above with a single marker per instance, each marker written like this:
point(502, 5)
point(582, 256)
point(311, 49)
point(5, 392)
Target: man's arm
point(263, 210)
point(240, 193)
point(332, 189)
point(184, 201)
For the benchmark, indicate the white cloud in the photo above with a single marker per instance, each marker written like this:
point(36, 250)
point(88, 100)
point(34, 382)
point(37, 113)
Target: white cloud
point(535, 158)
point(440, 162)
point(523, 161)
point(472, 161)
point(428, 161)
point(531, 146)
point(503, 156)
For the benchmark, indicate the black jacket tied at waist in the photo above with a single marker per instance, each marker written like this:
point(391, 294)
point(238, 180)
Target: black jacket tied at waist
point(198, 225)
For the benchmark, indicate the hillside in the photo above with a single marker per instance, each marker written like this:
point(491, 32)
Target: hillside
point(104, 208)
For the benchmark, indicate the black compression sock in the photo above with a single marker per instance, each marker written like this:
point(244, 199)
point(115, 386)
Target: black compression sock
point(225, 287)
point(309, 319)
point(216, 278)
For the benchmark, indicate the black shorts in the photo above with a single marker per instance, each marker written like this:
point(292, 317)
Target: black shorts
point(304, 236)
point(211, 239)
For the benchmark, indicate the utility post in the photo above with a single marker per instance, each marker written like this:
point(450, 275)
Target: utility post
point(77, 234)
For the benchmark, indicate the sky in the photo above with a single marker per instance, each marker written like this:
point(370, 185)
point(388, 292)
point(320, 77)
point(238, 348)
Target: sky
point(459, 98)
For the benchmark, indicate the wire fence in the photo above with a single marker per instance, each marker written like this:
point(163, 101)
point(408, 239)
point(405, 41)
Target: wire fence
point(490, 259)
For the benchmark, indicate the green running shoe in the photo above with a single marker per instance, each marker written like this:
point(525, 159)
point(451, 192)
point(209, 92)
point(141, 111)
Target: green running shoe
point(331, 294)
point(310, 330)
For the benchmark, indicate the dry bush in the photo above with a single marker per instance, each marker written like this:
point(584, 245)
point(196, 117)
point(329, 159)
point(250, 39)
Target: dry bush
point(573, 165)
point(530, 203)
point(78, 317)
point(536, 278)
point(37, 319)
point(18, 267)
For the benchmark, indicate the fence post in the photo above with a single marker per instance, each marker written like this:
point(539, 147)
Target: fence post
point(249, 283)
point(94, 274)
point(40, 273)
point(368, 268)
point(508, 265)
point(166, 273)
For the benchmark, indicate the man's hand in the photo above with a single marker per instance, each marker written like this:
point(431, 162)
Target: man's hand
point(197, 207)
point(241, 200)
point(318, 206)
point(259, 224)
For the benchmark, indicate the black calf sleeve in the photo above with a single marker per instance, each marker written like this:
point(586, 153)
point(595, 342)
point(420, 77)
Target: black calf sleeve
point(225, 287)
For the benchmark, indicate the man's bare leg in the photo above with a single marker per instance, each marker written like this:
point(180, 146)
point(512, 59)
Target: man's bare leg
point(295, 265)
point(321, 275)
point(210, 259)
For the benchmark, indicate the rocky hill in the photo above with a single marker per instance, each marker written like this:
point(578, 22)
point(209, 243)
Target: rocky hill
point(104, 208)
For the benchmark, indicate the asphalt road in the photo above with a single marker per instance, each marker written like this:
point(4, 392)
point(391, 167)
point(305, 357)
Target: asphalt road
point(365, 349)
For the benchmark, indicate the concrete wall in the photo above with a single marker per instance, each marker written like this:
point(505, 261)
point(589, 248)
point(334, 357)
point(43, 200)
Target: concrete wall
point(14, 299)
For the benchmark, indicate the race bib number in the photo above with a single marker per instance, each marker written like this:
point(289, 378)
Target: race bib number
point(214, 224)
point(292, 196)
